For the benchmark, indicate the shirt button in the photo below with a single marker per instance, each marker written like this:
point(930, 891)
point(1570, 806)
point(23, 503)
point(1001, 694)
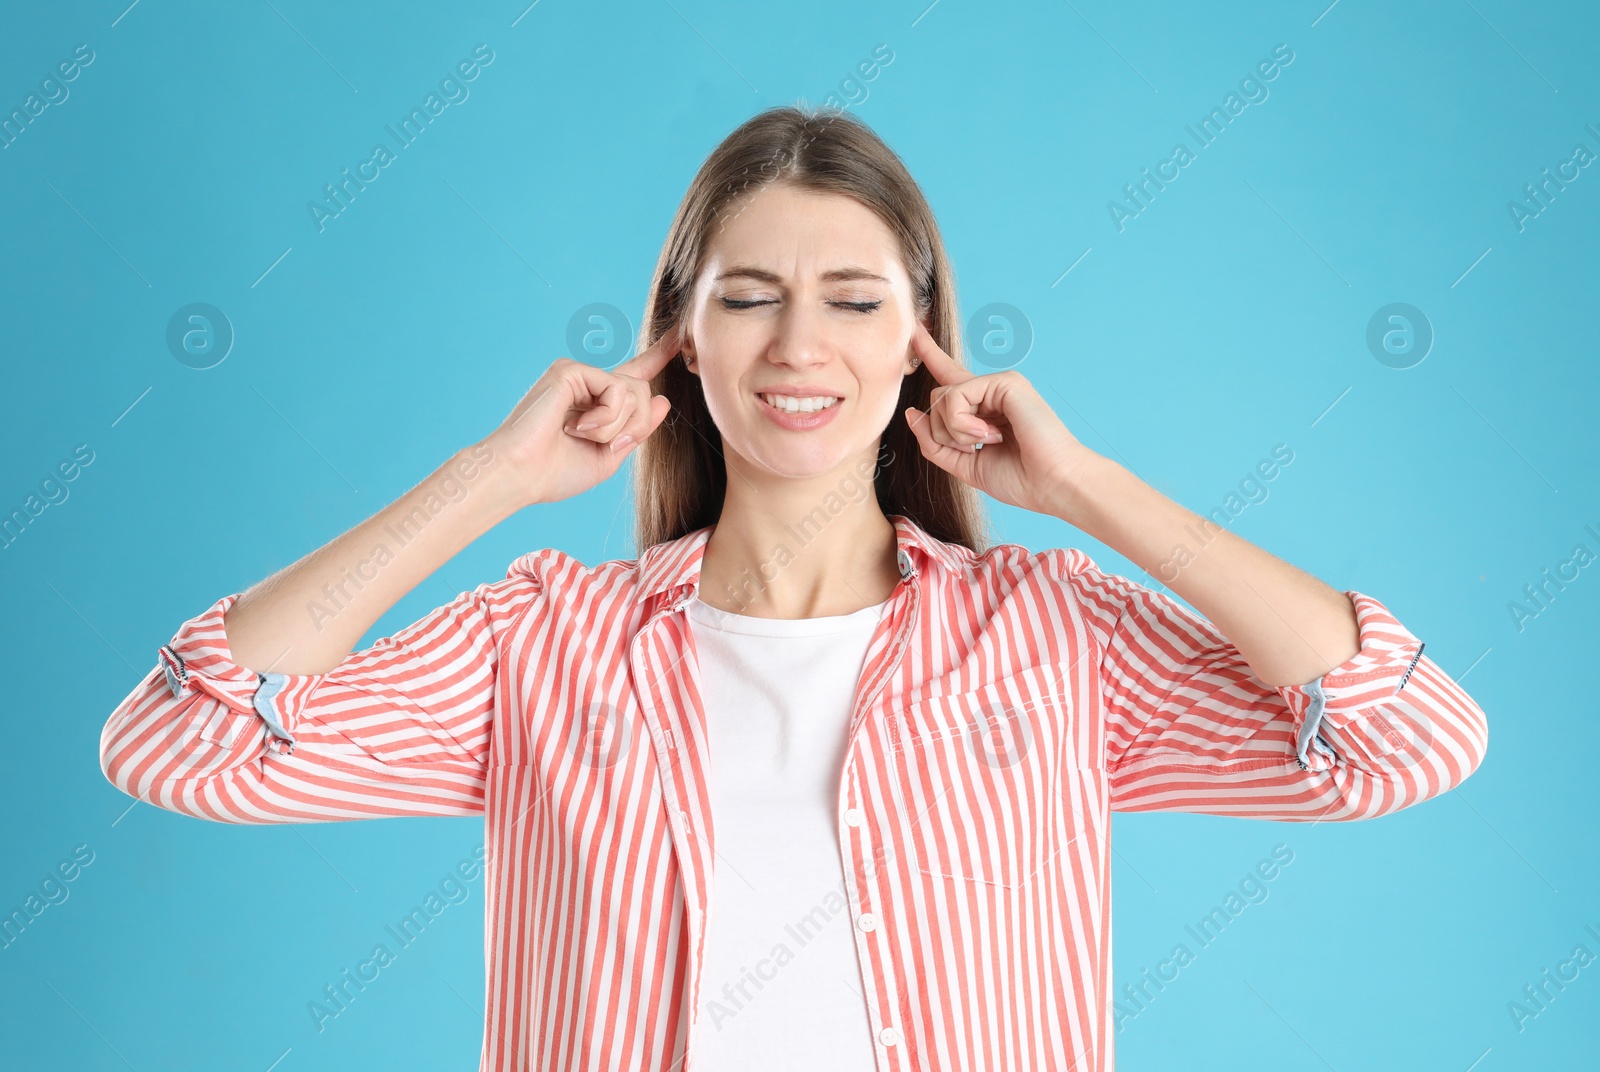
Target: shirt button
point(867, 921)
point(852, 816)
point(888, 1036)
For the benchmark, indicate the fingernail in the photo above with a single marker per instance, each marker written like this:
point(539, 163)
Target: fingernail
point(585, 426)
point(622, 442)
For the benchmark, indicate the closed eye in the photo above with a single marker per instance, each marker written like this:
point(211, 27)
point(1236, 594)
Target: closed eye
point(860, 307)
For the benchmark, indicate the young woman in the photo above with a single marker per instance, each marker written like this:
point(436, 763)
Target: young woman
point(821, 779)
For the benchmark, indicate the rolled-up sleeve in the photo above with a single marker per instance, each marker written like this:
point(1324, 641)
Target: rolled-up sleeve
point(1190, 728)
point(399, 728)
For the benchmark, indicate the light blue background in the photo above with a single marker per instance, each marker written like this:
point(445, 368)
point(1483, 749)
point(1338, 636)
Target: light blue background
point(1225, 319)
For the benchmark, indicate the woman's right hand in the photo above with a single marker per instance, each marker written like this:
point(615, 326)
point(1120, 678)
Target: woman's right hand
point(549, 458)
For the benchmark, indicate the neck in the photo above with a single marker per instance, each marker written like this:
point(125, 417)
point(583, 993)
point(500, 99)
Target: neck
point(800, 548)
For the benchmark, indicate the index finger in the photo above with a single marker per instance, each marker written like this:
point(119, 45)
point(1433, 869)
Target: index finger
point(942, 365)
point(647, 364)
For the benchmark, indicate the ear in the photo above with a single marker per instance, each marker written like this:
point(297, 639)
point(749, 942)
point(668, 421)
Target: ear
point(910, 363)
point(686, 348)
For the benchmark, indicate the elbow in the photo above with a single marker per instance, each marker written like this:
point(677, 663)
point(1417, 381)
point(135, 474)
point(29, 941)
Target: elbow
point(119, 746)
point(151, 749)
point(1459, 738)
point(111, 765)
point(1474, 740)
point(1433, 753)
point(1456, 733)
point(1458, 745)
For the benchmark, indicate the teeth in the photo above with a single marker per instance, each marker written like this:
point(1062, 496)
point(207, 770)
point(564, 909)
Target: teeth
point(798, 405)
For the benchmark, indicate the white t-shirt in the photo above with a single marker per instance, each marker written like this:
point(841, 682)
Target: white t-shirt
point(782, 985)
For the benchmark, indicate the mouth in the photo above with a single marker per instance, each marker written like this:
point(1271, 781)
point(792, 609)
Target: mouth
point(799, 405)
point(799, 413)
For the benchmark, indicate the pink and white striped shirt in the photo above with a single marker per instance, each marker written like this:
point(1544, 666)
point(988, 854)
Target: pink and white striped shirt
point(1009, 702)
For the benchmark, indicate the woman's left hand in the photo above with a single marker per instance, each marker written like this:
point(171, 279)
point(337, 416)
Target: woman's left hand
point(1028, 457)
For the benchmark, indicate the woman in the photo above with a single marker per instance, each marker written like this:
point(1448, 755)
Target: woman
point(821, 779)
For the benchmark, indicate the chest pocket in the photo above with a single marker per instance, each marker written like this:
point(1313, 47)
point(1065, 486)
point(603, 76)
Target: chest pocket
point(980, 778)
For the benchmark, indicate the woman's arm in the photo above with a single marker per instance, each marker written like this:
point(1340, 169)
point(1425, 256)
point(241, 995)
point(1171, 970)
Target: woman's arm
point(257, 710)
point(1282, 699)
point(1290, 627)
point(305, 618)
point(308, 616)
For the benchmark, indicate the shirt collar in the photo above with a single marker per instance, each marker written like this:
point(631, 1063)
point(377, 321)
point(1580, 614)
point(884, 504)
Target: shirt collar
point(673, 567)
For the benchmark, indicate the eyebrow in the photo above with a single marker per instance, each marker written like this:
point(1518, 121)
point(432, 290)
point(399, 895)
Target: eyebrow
point(834, 275)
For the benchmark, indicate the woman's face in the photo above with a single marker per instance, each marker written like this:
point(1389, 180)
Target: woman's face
point(803, 293)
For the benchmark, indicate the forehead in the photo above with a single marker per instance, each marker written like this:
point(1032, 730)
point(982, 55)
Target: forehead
point(792, 232)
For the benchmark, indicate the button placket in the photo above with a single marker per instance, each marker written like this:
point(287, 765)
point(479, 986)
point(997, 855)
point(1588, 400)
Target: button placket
point(864, 855)
point(859, 894)
point(867, 921)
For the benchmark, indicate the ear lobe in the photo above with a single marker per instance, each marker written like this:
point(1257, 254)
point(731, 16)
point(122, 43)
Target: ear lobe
point(913, 362)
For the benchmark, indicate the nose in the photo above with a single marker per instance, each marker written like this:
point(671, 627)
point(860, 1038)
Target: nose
point(800, 337)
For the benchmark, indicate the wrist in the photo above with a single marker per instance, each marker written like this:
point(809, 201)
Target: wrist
point(493, 484)
point(1073, 486)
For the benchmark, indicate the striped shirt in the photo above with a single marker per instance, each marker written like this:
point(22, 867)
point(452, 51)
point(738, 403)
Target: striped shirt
point(1009, 702)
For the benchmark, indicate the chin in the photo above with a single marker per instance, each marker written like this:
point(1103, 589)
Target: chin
point(785, 460)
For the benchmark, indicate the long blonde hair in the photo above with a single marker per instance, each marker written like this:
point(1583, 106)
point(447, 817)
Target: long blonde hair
point(680, 475)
